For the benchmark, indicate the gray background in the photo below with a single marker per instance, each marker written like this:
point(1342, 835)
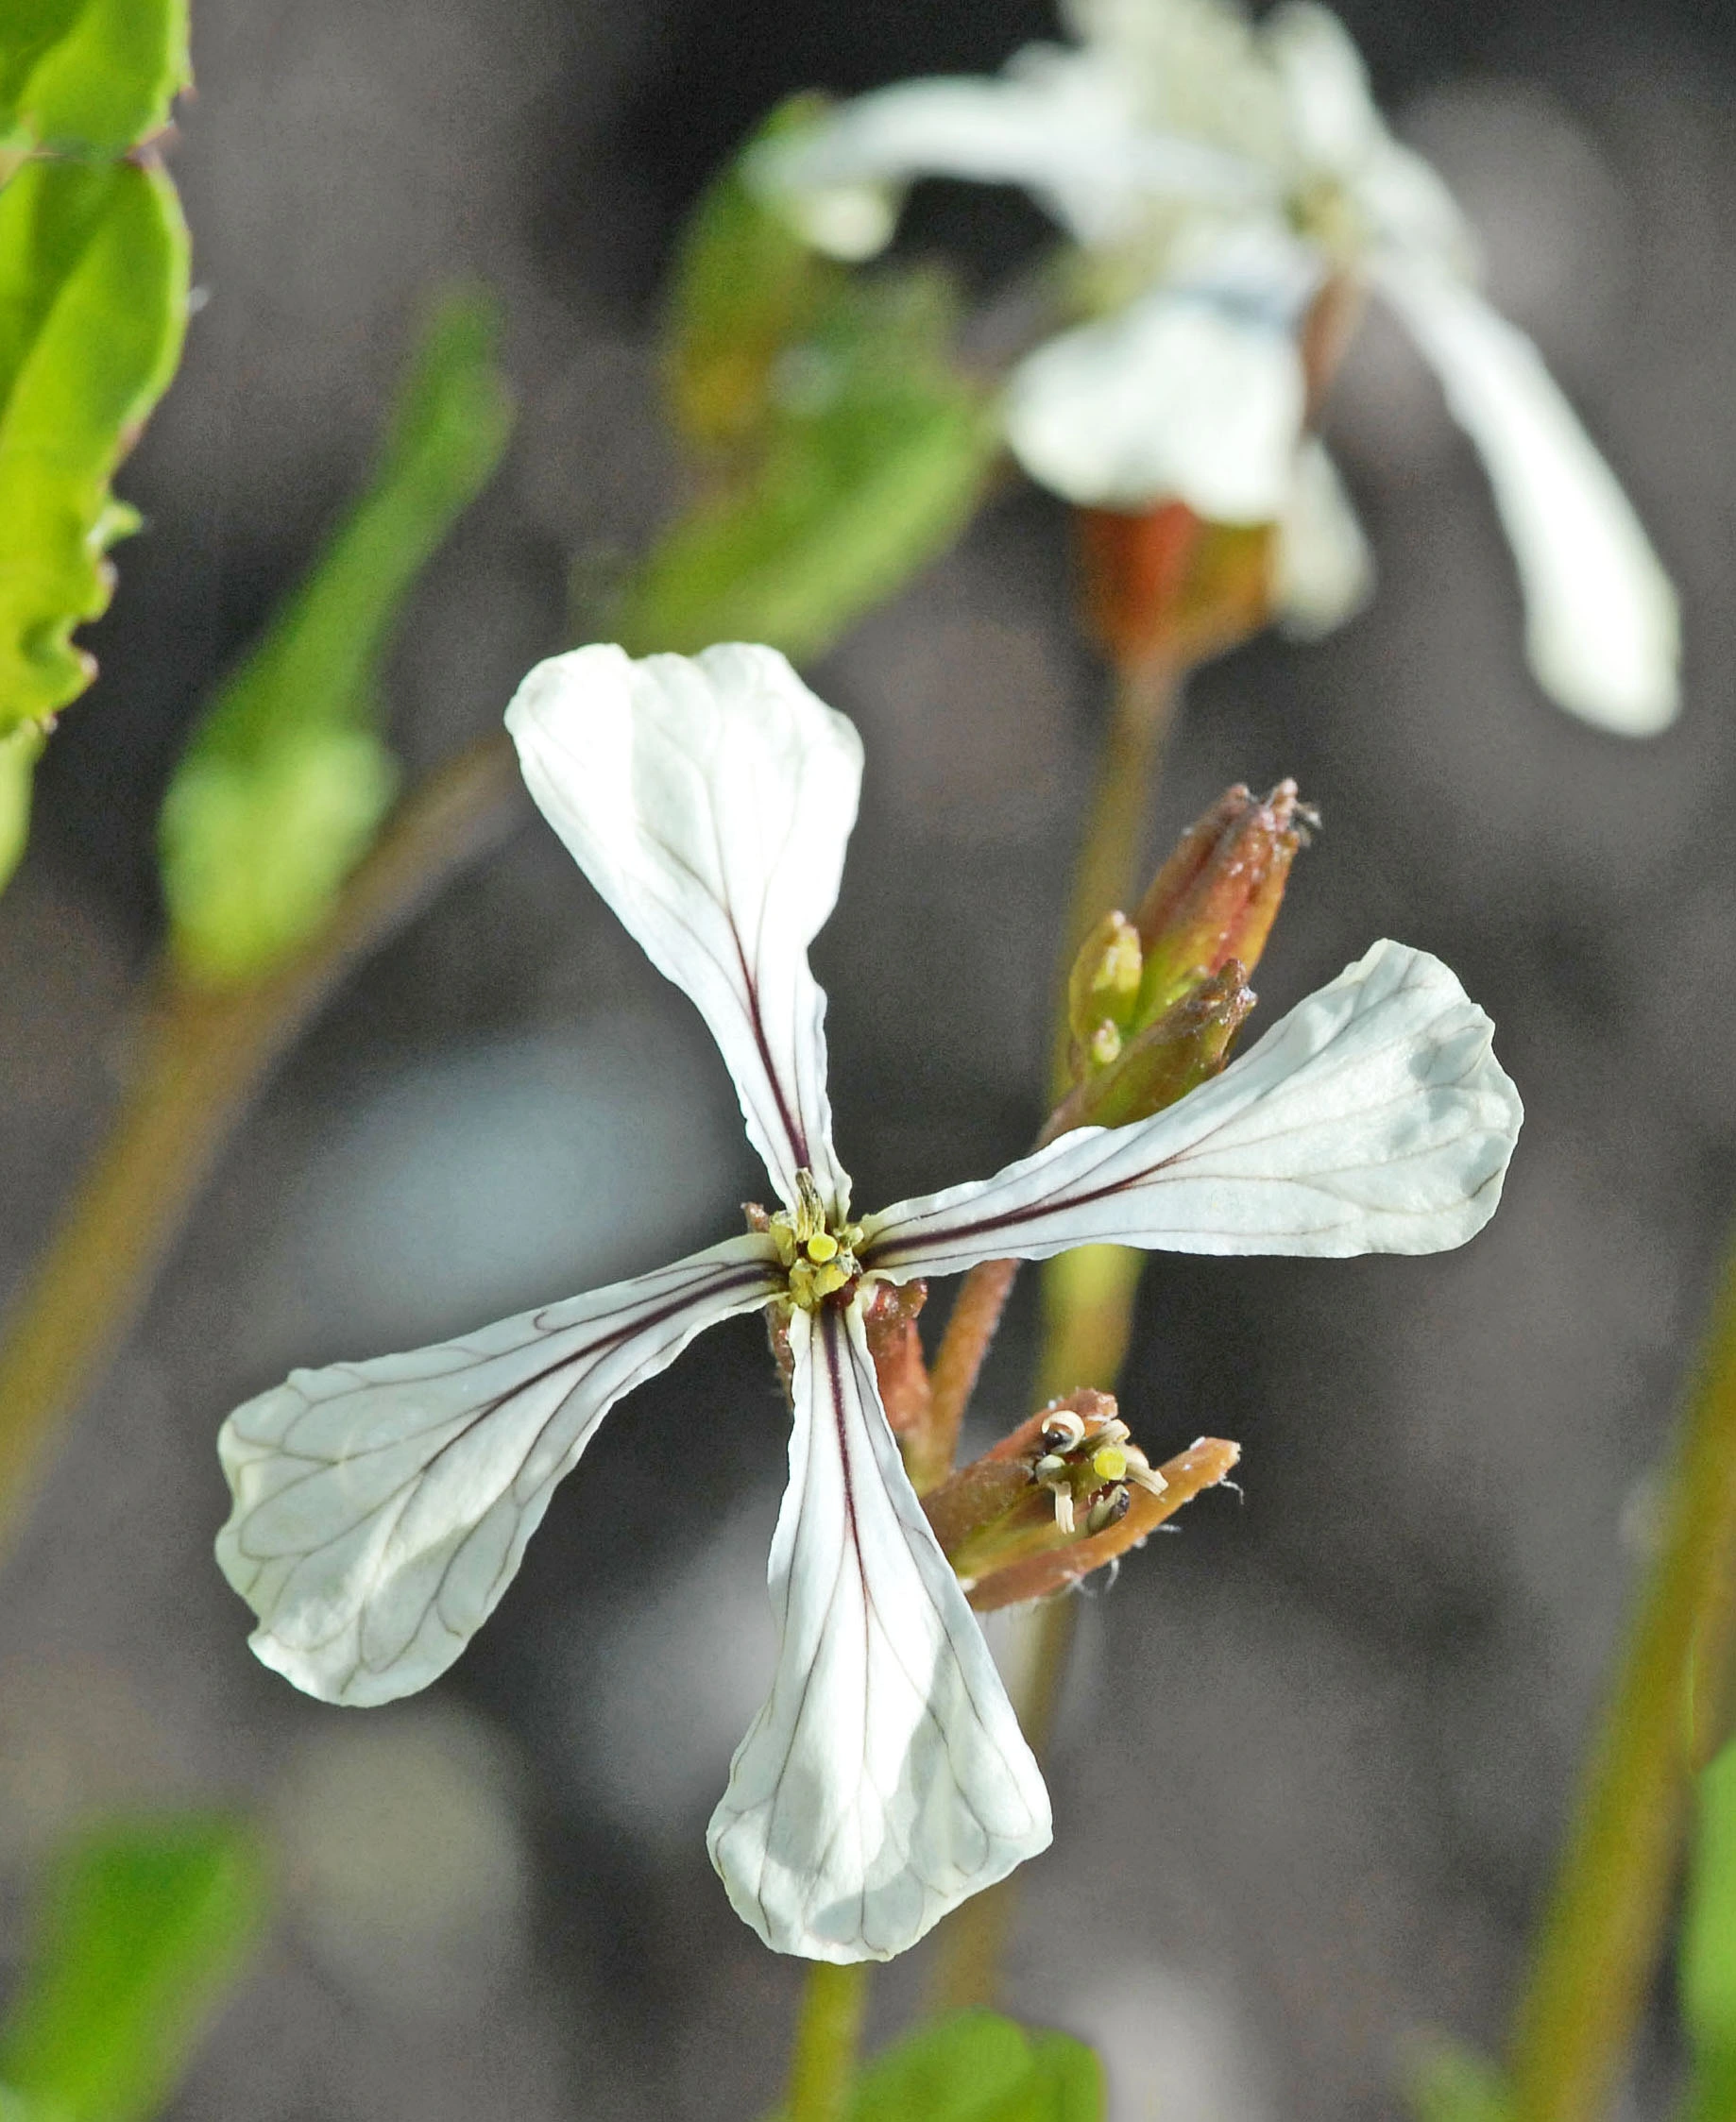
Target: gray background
point(1316, 1746)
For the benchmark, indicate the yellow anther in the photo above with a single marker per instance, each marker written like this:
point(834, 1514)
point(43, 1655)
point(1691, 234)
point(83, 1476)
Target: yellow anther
point(829, 1278)
point(1109, 1463)
point(820, 1248)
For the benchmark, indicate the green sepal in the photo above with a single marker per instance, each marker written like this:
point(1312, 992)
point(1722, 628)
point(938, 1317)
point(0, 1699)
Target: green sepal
point(1706, 1966)
point(142, 1926)
point(975, 2067)
point(284, 785)
point(873, 462)
point(93, 282)
point(745, 287)
point(89, 77)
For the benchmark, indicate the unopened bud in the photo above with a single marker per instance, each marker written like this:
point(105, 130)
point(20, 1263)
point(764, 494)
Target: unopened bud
point(1104, 991)
point(1186, 1047)
point(1164, 583)
point(1217, 895)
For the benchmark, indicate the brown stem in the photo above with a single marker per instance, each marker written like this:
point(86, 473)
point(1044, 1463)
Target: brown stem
point(206, 1052)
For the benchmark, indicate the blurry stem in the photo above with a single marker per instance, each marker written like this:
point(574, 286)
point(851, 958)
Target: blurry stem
point(1596, 1952)
point(1088, 1292)
point(206, 1050)
point(1146, 696)
point(822, 2066)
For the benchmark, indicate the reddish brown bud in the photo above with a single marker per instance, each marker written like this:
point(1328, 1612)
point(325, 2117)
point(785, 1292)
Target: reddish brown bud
point(888, 1321)
point(1165, 584)
point(1217, 895)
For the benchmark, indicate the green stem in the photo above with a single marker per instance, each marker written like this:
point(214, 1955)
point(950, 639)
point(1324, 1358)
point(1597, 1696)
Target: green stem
point(1597, 1949)
point(206, 1052)
point(1088, 1294)
point(822, 2063)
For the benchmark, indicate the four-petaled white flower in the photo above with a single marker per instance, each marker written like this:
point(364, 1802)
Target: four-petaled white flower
point(381, 1507)
point(1215, 176)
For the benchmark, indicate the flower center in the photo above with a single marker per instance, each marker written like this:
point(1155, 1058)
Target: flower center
point(817, 1250)
point(1091, 1462)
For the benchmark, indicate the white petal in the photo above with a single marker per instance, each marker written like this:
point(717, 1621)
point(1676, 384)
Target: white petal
point(382, 1507)
point(1602, 627)
point(886, 1777)
point(1195, 393)
point(709, 800)
point(1332, 117)
point(1325, 573)
point(1065, 129)
point(1374, 1118)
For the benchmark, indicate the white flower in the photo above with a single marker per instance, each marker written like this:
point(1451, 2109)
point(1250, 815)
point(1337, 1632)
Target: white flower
point(381, 1507)
point(1217, 176)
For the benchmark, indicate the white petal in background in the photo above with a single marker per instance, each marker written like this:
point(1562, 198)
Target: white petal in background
point(1325, 572)
point(1334, 121)
point(1374, 1118)
point(1185, 396)
point(382, 1507)
point(886, 1777)
point(1602, 624)
point(709, 800)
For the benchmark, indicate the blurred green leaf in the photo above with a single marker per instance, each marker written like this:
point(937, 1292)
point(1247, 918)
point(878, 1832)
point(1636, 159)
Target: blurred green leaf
point(286, 778)
point(873, 463)
point(19, 752)
point(745, 287)
point(1707, 1962)
point(89, 77)
point(1448, 2083)
point(977, 2067)
point(142, 1927)
point(93, 264)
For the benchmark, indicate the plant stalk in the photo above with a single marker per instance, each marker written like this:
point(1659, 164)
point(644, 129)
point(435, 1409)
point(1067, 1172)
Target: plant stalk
point(822, 2063)
point(206, 1051)
point(1597, 1949)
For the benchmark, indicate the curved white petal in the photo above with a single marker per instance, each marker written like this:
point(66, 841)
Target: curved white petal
point(886, 1777)
point(1334, 121)
point(1602, 626)
point(1324, 572)
point(1066, 129)
point(382, 1507)
point(709, 800)
point(1195, 393)
point(1374, 1118)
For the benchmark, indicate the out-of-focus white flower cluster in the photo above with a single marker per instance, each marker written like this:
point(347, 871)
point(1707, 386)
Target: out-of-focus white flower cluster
point(1219, 179)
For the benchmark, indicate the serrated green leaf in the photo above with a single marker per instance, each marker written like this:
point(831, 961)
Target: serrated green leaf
point(975, 2067)
point(19, 753)
point(1448, 2083)
point(93, 265)
point(142, 1926)
point(89, 77)
point(745, 287)
point(873, 466)
point(286, 778)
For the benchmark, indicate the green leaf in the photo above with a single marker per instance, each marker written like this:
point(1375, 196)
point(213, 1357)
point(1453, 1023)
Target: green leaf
point(89, 77)
point(977, 2067)
point(745, 287)
point(142, 1927)
point(19, 753)
point(93, 265)
point(286, 778)
point(873, 464)
point(1451, 2084)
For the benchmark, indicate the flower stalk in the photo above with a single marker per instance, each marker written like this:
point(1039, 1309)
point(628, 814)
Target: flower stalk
point(1597, 1949)
point(828, 2032)
point(206, 1051)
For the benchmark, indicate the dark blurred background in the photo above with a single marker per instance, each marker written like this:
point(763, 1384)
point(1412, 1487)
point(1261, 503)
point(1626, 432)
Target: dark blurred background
point(1316, 1744)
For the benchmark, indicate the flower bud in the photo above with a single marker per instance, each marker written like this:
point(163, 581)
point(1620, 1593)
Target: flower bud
point(1217, 895)
point(1187, 1045)
point(1103, 993)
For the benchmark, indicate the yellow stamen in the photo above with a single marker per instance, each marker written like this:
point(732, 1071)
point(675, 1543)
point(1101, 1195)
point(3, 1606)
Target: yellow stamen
point(820, 1248)
point(1110, 1463)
